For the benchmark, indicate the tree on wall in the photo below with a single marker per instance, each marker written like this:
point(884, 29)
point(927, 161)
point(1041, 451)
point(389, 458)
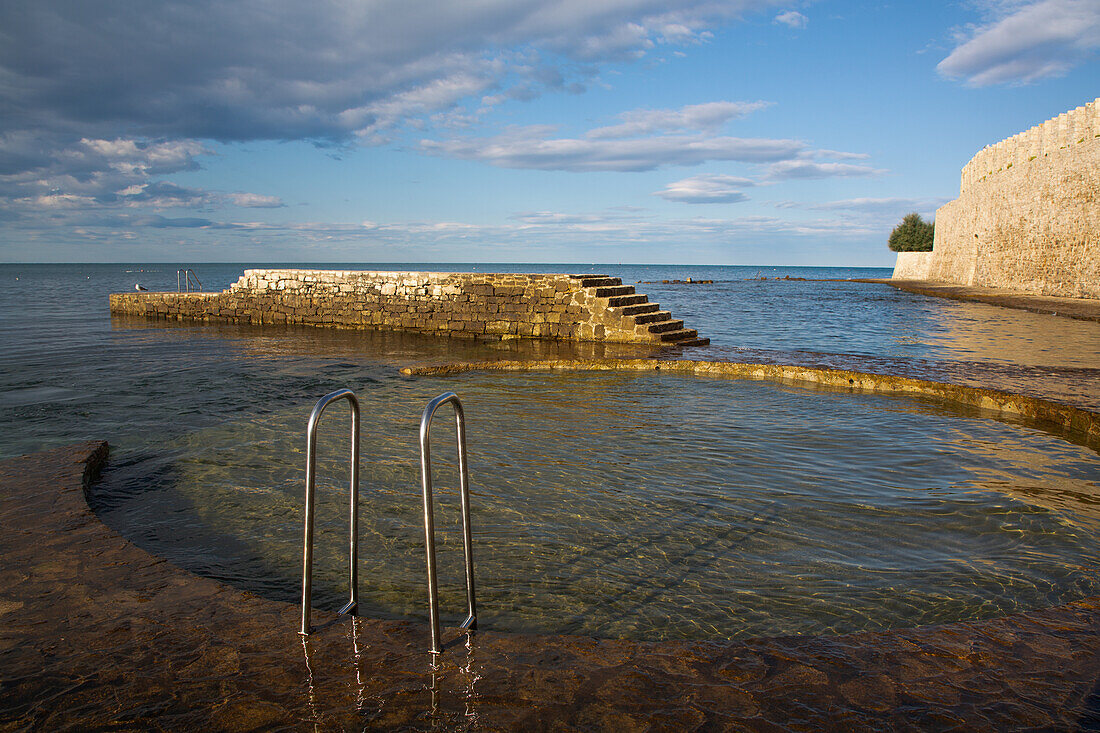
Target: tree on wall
point(913, 234)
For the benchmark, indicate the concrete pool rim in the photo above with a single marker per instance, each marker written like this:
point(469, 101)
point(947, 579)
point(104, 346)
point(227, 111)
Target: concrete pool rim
point(1082, 424)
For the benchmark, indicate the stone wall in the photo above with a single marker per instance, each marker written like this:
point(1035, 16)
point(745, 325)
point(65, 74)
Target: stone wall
point(1028, 213)
point(913, 266)
point(472, 305)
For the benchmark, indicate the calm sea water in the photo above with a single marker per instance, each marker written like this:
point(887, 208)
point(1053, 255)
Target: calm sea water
point(749, 509)
point(70, 373)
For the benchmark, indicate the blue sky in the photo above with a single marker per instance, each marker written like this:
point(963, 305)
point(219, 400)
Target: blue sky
point(682, 131)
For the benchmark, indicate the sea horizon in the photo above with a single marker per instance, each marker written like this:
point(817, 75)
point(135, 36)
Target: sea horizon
point(285, 263)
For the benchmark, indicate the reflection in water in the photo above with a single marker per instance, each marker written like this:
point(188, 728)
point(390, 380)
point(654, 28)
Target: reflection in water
point(357, 665)
point(464, 678)
point(1036, 477)
point(396, 348)
point(434, 663)
point(976, 332)
point(449, 680)
point(470, 674)
point(311, 690)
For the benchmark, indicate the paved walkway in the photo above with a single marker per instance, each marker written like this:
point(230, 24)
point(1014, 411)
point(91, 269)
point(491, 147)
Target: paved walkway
point(96, 634)
point(1085, 309)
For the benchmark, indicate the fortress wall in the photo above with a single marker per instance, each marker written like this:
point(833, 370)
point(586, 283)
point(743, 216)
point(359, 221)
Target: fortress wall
point(913, 265)
point(1069, 128)
point(567, 307)
point(1028, 213)
point(954, 249)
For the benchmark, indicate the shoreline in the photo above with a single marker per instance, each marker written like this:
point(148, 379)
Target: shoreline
point(1082, 309)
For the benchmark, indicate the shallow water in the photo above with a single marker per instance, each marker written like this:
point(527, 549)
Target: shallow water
point(206, 424)
point(645, 506)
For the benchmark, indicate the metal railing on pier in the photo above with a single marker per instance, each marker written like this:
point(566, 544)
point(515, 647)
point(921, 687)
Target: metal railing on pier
point(187, 281)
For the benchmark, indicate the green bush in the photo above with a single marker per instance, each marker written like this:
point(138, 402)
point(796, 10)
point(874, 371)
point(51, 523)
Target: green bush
point(914, 234)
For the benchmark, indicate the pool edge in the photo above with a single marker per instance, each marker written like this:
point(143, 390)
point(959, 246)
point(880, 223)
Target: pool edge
point(1070, 418)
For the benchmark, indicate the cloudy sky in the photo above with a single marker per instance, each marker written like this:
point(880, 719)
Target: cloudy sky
point(637, 131)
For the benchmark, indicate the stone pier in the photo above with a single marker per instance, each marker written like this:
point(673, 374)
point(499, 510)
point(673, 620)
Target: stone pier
point(472, 305)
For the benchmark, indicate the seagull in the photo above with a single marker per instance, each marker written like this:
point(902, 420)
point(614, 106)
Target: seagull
point(137, 286)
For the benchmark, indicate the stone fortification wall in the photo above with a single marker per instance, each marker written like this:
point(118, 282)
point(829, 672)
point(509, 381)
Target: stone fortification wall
point(550, 306)
point(1028, 213)
point(913, 266)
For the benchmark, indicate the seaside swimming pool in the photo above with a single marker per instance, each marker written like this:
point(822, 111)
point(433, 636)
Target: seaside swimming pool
point(207, 423)
point(643, 506)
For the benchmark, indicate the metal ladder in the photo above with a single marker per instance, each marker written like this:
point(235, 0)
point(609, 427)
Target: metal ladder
point(187, 278)
point(311, 479)
point(352, 606)
point(470, 623)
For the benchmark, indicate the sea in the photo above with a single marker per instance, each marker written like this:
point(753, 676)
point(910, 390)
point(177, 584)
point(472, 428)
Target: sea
point(71, 372)
point(828, 513)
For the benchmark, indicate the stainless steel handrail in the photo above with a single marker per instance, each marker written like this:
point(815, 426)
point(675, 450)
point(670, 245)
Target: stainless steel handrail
point(188, 279)
point(311, 477)
point(429, 523)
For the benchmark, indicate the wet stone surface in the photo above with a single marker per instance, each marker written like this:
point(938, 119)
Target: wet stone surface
point(96, 634)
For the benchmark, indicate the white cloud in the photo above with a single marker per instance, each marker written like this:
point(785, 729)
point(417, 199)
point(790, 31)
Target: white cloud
point(590, 230)
point(870, 212)
point(557, 218)
point(109, 173)
point(709, 116)
point(89, 167)
point(645, 139)
point(1040, 39)
point(254, 200)
point(792, 18)
point(841, 155)
point(881, 205)
point(327, 71)
point(60, 201)
point(531, 148)
point(715, 189)
point(805, 169)
point(99, 103)
point(438, 94)
point(650, 139)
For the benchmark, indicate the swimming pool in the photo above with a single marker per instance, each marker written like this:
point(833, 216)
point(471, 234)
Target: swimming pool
point(641, 505)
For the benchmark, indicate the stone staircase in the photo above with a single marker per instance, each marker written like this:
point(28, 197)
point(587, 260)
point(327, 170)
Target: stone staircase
point(631, 311)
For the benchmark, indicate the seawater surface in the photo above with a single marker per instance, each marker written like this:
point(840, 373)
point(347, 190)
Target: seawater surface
point(643, 506)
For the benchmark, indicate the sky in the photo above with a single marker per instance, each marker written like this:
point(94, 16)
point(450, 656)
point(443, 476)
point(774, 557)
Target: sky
point(743, 132)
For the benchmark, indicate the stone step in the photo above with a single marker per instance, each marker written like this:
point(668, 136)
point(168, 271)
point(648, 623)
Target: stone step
point(615, 290)
point(694, 342)
point(600, 281)
point(634, 310)
point(663, 326)
point(651, 317)
point(681, 334)
point(621, 300)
